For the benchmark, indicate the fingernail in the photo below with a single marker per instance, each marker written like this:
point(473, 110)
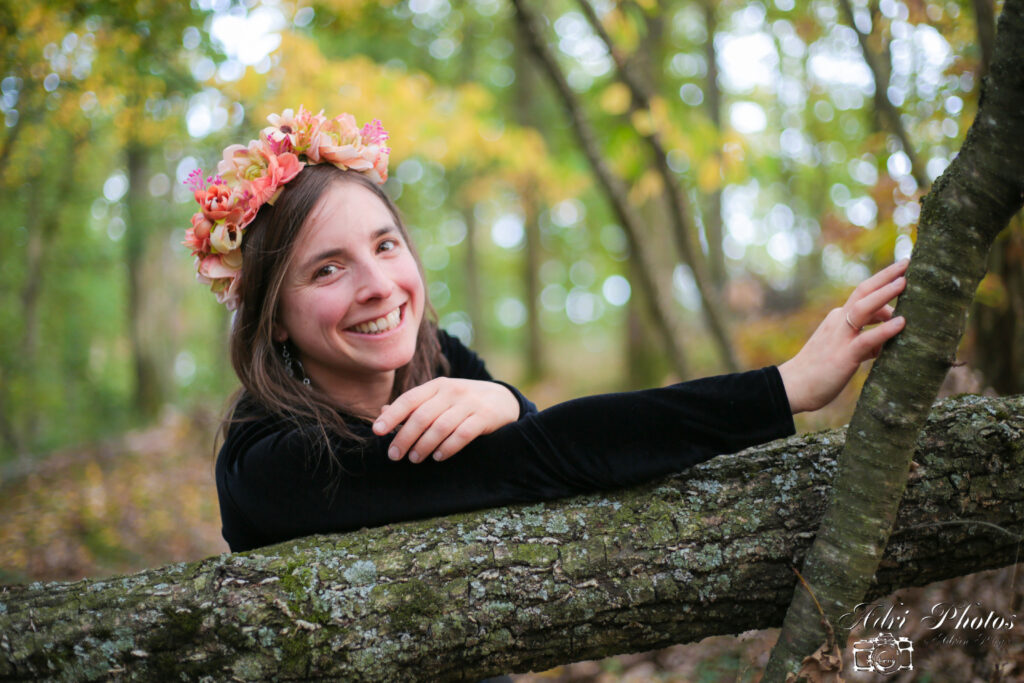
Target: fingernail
point(393, 453)
point(414, 456)
point(437, 455)
point(378, 426)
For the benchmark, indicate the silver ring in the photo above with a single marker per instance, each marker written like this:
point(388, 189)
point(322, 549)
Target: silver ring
point(850, 323)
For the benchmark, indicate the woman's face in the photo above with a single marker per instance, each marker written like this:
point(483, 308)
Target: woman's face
point(352, 298)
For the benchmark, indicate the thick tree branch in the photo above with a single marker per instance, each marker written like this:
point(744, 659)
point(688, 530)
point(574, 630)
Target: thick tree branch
point(615, 190)
point(704, 552)
point(967, 208)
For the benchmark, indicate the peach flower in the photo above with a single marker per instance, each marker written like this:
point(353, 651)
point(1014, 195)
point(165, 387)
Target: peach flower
point(280, 169)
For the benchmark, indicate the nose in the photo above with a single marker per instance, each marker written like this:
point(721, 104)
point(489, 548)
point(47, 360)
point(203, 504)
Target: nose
point(374, 282)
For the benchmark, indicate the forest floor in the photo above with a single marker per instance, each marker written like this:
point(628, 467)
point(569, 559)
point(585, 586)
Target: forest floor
point(148, 498)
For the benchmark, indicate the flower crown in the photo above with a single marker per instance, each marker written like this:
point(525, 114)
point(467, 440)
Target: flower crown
point(250, 176)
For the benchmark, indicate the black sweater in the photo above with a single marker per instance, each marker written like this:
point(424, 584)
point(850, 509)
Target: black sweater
point(271, 485)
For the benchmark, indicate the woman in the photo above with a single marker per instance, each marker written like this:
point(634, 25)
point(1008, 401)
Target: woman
point(353, 402)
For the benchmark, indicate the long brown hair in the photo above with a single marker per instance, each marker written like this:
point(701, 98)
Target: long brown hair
point(267, 251)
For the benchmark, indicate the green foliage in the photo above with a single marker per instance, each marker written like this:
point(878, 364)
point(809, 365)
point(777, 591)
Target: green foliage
point(814, 190)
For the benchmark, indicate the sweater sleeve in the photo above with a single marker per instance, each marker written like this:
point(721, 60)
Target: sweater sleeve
point(272, 487)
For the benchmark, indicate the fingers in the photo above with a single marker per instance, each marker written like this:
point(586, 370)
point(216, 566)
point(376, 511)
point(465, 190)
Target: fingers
point(469, 429)
point(444, 428)
point(866, 309)
point(878, 280)
point(423, 430)
point(442, 416)
point(868, 344)
point(881, 315)
point(393, 415)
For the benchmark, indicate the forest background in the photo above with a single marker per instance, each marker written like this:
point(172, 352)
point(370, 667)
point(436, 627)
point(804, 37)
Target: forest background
point(799, 138)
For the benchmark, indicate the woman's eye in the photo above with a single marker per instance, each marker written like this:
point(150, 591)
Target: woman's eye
point(326, 271)
point(388, 245)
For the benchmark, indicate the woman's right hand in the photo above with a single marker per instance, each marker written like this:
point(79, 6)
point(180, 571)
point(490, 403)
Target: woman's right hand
point(820, 370)
point(440, 417)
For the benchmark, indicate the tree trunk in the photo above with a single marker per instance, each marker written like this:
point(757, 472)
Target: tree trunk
point(960, 218)
point(44, 222)
point(529, 199)
point(700, 553)
point(998, 350)
point(888, 114)
point(658, 299)
point(148, 393)
point(471, 267)
point(535, 366)
point(985, 18)
point(713, 99)
point(684, 232)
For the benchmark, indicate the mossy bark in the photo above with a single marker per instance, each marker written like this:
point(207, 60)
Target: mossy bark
point(967, 208)
point(701, 553)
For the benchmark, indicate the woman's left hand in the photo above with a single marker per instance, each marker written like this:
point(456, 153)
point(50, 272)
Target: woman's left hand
point(443, 415)
point(816, 375)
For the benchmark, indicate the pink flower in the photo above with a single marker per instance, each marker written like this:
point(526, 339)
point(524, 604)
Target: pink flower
point(290, 131)
point(197, 238)
point(228, 294)
point(212, 268)
point(218, 202)
point(280, 169)
point(379, 174)
point(373, 133)
point(241, 163)
point(338, 142)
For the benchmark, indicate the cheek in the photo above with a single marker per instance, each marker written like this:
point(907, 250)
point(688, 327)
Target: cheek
point(412, 282)
point(319, 309)
point(329, 306)
point(406, 276)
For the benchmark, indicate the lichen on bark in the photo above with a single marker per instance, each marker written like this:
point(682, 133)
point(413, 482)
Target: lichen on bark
point(701, 553)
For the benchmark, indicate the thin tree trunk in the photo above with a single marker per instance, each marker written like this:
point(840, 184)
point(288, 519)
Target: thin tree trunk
point(529, 199)
point(9, 433)
point(471, 264)
point(985, 17)
point(474, 305)
point(701, 553)
point(44, 218)
point(658, 300)
point(531, 279)
point(684, 232)
point(962, 215)
point(887, 111)
point(998, 350)
point(10, 140)
point(148, 393)
point(713, 228)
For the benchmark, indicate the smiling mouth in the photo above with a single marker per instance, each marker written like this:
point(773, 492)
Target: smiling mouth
point(380, 325)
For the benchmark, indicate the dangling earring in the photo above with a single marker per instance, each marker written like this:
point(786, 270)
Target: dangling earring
point(287, 356)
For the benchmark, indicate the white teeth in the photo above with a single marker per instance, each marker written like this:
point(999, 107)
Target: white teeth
point(388, 322)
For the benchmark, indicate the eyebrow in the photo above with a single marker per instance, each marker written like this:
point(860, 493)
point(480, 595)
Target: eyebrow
point(337, 251)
